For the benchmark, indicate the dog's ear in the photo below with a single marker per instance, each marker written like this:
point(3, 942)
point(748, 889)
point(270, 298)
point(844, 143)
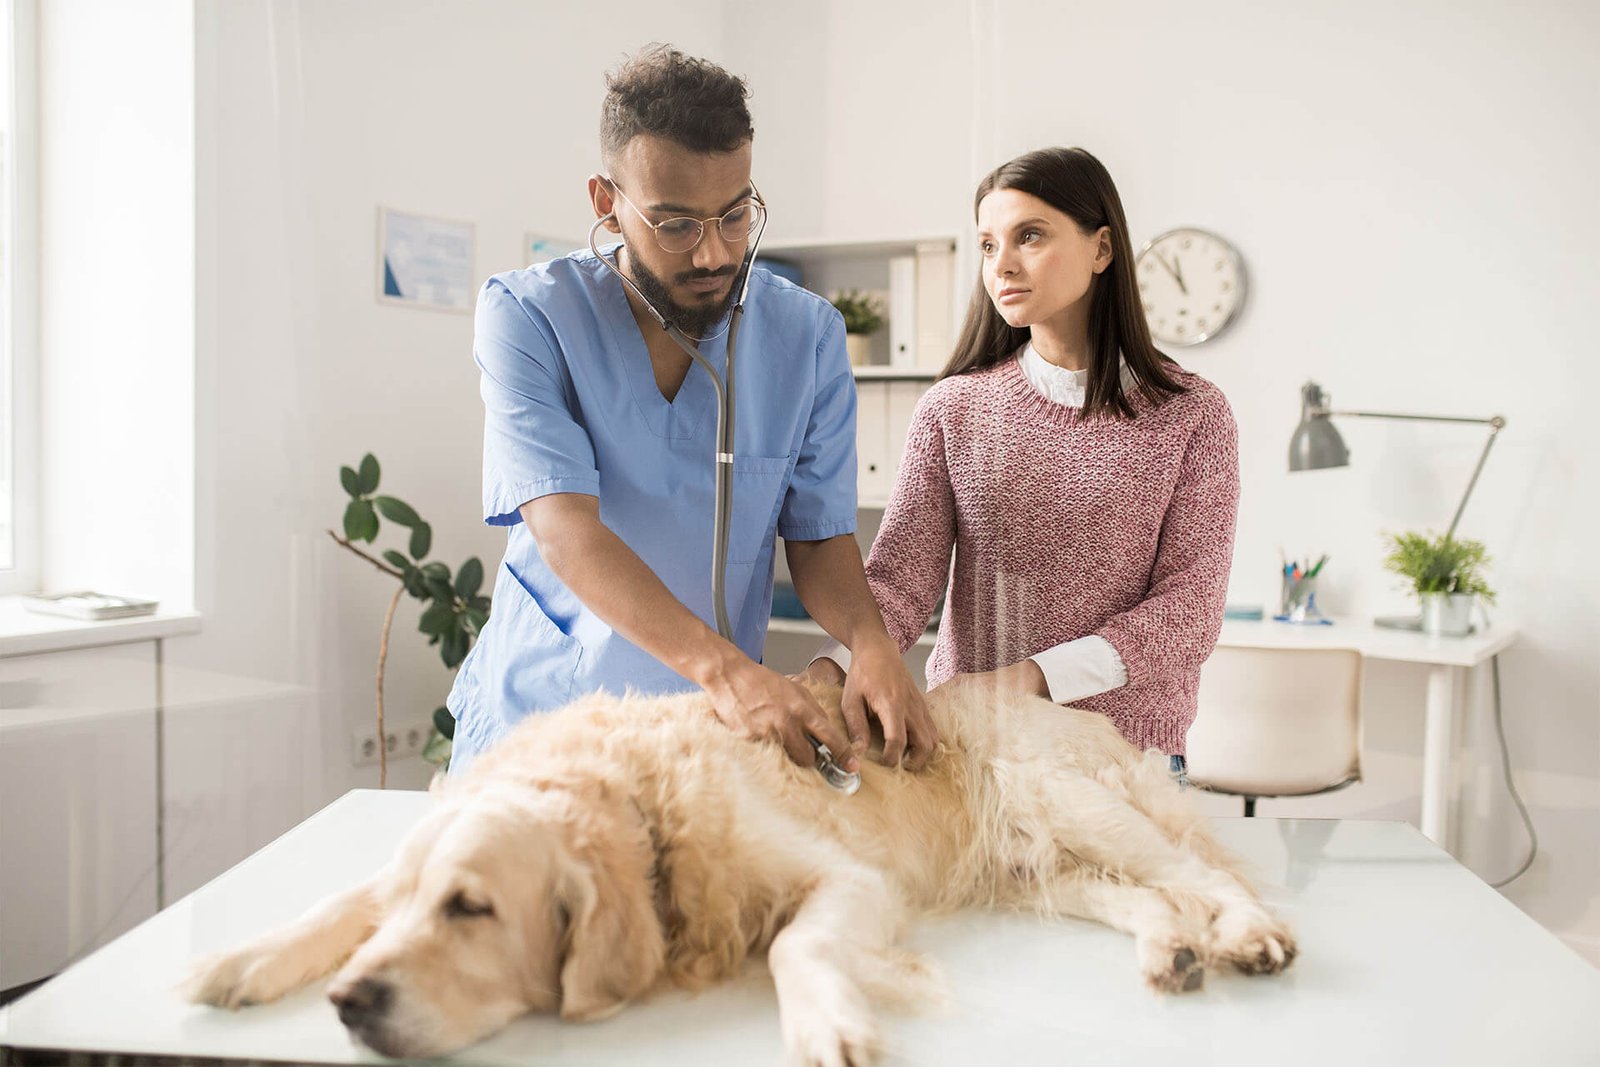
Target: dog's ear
point(614, 945)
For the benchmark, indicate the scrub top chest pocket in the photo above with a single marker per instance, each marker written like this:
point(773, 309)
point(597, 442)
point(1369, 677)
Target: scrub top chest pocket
point(758, 486)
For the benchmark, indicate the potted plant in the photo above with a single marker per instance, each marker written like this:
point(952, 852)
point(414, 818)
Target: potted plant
point(1446, 573)
point(455, 611)
point(863, 317)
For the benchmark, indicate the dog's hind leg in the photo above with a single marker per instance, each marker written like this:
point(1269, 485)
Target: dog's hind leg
point(284, 960)
point(1170, 939)
point(832, 958)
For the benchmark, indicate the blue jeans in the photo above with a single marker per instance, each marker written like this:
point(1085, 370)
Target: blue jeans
point(1179, 768)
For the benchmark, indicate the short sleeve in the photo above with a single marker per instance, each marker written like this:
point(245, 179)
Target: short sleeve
point(821, 499)
point(533, 442)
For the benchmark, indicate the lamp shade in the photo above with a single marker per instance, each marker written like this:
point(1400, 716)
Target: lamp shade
point(1316, 443)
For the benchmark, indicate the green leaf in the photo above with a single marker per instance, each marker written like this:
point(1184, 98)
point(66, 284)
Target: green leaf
point(398, 560)
point(476, 619)
point(436, 571)
point(438, 618)
point(360, 521)
point(421, 540)
point(416, 585)
point(437, 750)
point(445, 723)
point(347, 478)
point(469, 578)
point(369, 473)
point(478, 603)
point(396, 510)
point(455, 648)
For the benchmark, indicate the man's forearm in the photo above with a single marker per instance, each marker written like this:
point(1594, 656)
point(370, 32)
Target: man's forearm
point(622, 590)
point(830, 582)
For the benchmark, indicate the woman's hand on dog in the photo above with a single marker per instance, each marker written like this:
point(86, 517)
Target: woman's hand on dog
point(759, 704)
point(1023, 678)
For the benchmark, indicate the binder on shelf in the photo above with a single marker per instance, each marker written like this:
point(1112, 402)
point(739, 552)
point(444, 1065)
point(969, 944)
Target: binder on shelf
point(936, 279)
point(902, 398)
point(903, 312)
point(873, 455)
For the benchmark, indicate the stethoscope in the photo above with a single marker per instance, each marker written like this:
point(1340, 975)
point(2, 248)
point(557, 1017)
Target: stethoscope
point(829, 768)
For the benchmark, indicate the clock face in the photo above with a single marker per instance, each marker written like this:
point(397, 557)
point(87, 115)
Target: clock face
point(1192, 285)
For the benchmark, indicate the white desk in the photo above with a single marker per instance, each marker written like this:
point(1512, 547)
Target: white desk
point(1447, 660)
point(1406, 958)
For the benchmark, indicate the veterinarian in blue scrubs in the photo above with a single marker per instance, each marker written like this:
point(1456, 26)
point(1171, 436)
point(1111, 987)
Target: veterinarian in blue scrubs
point(599, 440)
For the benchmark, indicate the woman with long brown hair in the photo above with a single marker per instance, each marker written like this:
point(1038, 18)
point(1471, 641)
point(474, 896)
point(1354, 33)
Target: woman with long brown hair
point(1086, 484)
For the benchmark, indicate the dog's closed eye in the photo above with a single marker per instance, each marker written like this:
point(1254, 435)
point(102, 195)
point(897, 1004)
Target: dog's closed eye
point(460, 906)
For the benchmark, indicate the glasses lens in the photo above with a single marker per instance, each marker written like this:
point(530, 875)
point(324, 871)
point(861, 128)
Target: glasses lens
point(678, 235)
point(738, 224)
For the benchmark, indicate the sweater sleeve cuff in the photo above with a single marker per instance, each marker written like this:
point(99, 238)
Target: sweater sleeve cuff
point(1082, 668)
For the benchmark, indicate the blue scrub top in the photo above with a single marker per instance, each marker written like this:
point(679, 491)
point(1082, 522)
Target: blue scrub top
point(571, 406)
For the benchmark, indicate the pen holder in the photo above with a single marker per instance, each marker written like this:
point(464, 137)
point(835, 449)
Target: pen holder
point(1298, 600)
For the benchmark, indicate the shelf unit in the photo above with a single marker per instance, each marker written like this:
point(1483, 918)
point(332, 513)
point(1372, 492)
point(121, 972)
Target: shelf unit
point(886, 393)
point(929, 282)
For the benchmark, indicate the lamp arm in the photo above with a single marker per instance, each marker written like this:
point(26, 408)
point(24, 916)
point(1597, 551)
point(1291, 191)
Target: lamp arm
point(1496, 425)
point(1495, 421)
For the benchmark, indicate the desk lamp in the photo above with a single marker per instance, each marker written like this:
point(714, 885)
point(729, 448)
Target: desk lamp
point(1316, 445)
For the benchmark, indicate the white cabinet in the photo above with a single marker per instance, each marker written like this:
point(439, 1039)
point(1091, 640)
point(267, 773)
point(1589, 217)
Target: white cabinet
point(77, 803)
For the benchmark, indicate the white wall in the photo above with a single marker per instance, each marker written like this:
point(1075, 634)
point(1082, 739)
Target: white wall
point(117, 296)
point(310, 115)
point(1410, 187)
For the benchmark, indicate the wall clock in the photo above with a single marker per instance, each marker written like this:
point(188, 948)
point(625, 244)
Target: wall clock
point(1192, 283)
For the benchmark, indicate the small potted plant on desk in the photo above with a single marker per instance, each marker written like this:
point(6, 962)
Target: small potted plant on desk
point(1447, 575)
point(863, 317)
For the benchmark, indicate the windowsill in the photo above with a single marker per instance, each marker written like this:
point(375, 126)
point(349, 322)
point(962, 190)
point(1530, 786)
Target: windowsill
point(23, 632)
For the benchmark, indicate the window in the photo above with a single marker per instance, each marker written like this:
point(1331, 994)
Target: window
point(18, 288)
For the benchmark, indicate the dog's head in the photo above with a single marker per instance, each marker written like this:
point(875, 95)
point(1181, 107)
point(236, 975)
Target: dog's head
point(506, 901)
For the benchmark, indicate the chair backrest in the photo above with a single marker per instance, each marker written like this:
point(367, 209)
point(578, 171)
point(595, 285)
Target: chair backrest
point(1277, 721)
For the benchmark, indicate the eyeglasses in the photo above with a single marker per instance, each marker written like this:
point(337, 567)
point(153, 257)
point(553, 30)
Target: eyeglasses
point(683, 234)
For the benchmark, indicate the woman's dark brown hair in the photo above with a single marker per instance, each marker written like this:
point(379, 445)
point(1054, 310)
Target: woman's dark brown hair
point(1074, 182)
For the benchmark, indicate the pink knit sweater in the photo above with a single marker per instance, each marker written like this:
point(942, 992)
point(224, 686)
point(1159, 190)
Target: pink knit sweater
point(1064, 527)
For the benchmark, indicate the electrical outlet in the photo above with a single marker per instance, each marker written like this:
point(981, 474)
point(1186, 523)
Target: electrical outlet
point(402, 740)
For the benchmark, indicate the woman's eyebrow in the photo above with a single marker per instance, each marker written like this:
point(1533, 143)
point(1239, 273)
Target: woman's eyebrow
point(1037, 221)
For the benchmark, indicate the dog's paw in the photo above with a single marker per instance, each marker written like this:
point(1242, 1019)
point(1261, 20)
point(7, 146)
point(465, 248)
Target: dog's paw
point(1172, 968)
point(848, 1039)
point(239, 979)
point(1258, 944)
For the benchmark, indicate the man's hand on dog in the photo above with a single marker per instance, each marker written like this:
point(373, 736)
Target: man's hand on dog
point(757, 703)
point(879, 685)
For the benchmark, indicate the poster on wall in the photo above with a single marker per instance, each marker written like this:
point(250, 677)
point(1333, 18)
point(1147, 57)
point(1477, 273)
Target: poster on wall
point(426, 262)
point(541, 247)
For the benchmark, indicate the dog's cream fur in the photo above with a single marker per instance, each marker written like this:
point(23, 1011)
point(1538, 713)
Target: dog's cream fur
point(619, 845)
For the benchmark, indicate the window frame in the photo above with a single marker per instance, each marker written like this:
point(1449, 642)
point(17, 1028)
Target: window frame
point(21, 295)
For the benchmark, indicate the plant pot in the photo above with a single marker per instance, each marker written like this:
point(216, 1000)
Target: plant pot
point(1447, 614)
point(859, 348)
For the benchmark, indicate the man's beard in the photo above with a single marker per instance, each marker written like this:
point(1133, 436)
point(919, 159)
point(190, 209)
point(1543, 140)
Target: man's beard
point(696, 321)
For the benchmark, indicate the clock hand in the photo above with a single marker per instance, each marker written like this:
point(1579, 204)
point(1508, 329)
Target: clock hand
point(1175, 275)
point(1177, 266)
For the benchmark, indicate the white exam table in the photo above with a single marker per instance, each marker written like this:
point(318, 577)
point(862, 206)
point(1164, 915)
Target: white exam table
point(1405, 958)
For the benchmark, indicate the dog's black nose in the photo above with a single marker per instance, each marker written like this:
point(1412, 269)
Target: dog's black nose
point(363, 1003)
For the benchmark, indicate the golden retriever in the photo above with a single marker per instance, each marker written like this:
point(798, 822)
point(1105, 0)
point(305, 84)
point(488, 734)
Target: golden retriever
point(618, 845)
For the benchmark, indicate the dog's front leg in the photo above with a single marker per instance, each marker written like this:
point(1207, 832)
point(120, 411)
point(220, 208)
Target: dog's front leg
point(827, 962)
point(284, 960)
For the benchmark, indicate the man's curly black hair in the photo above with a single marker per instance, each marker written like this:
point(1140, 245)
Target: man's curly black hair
point(691, 102)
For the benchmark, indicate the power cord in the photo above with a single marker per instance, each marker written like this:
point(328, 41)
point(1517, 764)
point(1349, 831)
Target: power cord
point(1511, 786)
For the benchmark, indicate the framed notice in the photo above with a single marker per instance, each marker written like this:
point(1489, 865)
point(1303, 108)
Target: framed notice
point(426, 262)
